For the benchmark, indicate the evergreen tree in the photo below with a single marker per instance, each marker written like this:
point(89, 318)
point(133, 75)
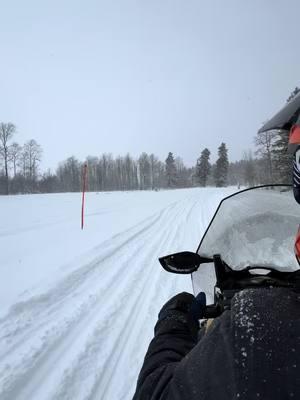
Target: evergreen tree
point(221, 169)
point(203, 168)
point(171, 172)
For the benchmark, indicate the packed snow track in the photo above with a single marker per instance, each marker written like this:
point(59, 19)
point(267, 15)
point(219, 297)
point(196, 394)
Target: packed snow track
point(79, 307)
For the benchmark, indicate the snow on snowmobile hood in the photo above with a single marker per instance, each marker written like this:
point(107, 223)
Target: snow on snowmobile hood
point(254, 227)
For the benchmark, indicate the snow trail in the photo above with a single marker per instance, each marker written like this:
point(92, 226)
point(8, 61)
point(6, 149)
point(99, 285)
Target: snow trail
point(85, 335)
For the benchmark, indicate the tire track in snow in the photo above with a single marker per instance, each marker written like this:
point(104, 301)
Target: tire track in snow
point(106, 369)
point(116, 390)
point(29, 371)
point(132, 326)
point(52, 300)
point(162, 290)
point(60, 340)
point(48, 328)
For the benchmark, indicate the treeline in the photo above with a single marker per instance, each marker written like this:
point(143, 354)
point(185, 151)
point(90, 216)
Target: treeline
point(19, 170)
point(271, 162)
point(19, 167)
point(106, 173)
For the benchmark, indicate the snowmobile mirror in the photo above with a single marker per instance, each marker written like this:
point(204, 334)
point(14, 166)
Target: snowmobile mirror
point(185, 262)
point(285, 118)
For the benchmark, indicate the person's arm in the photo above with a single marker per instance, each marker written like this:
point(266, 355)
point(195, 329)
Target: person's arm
point(175, 335)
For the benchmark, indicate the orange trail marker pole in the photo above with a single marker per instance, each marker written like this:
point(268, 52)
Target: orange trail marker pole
point(84, 179)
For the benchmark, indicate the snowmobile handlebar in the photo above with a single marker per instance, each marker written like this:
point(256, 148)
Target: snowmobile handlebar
point(230, 282)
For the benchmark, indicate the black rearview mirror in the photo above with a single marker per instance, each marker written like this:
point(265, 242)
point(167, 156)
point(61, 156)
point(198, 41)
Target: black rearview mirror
point(185, 262)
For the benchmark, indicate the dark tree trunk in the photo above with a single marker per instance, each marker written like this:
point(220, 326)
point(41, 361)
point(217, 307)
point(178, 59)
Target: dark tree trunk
point(6, 176)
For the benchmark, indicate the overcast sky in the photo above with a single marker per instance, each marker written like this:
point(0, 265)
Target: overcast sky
point(87, 77)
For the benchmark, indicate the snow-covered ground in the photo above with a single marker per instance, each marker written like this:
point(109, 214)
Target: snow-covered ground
point(78, 307)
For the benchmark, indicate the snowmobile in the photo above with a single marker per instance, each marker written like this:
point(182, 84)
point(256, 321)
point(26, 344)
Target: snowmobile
point(246, 281)
point(249, 243)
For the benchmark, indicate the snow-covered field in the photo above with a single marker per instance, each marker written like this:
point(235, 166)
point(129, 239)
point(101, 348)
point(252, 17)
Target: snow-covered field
point(78, 307)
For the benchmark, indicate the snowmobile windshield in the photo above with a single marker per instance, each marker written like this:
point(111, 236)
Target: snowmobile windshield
point(255, 227)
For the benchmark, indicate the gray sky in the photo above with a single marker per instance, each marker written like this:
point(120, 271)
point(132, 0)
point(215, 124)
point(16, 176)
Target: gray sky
point(87, 77)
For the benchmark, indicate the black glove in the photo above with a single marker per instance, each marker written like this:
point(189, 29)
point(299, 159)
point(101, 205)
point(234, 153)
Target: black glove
point(198, 306)
point(186, 303)
point(184, 307)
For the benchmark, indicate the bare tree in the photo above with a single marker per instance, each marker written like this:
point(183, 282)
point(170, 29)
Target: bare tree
point(48, 182)
point(7, 131)
point(69, 175)
point(32, 153)
point(23, 162)
point(264, 142)
point(130, 173)
point(153, 171)
point(144, 171)
point(14, 154)
point(92, 163)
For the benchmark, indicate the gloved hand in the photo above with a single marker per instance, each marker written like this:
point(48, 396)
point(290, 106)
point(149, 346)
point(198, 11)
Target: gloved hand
point(181, 302)
point(198, 306)
point(184, 307)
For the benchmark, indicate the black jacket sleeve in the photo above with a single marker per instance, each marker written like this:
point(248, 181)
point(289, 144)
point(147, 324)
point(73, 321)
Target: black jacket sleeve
point(175, 335)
